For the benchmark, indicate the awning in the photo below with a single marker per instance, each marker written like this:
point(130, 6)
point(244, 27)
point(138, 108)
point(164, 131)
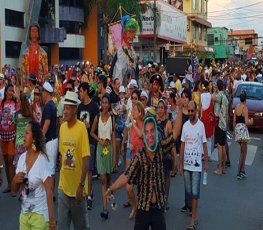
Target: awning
point(200, 21)
point(198, 48)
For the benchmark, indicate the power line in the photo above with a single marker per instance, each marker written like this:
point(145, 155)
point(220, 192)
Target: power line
point(237, 8)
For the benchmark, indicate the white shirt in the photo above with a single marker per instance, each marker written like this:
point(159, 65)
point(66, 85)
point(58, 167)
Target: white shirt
point(35, 201)
point(105, 129)
point(194, 137)
point(205, 100)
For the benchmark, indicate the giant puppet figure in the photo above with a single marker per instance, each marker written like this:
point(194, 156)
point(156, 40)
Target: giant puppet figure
point(125, 56)
point(34, 57)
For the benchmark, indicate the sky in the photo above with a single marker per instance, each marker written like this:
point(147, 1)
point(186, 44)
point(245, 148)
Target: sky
point(237, 14)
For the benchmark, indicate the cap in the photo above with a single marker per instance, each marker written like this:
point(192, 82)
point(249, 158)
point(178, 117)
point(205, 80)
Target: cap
point(133, 83)
point(122, 89)
point(144, 94)
point(47, 87)
point(71, 98)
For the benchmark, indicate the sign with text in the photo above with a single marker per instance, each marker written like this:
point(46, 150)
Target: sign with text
point(171, 22)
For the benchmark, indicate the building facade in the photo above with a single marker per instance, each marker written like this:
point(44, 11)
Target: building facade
point(171, 28)
point(248, 41)
point(65, 35)
point(197, 26)
point(217, 38)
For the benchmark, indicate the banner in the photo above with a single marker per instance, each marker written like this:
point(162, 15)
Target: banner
point(114, 37)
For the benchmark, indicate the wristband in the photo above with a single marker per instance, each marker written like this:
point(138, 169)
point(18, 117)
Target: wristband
point(1, 166)
point(82, 184)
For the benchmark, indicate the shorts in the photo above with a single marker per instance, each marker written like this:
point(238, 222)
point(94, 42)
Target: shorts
point(91, 162)
point(8, 148)
point(31, 220)
point(52, 152)
point(192, 182)
point(220, 136)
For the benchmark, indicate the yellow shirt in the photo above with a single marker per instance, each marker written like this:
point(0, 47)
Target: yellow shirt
point(73, 146)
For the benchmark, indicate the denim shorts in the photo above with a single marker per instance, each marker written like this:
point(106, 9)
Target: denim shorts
point(192, 182)
point(69, 211)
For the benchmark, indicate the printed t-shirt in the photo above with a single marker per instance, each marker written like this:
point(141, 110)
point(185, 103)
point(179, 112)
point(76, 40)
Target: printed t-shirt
point(73, 146)
point(34, 198)
point(194, 137)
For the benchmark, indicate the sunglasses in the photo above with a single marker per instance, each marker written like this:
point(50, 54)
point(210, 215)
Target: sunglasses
point(68, 89)
point(191, 111)
point(134, 98)
point(36, 94)
point(143, 99)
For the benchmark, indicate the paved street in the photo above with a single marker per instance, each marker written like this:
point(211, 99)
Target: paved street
point(226, 203)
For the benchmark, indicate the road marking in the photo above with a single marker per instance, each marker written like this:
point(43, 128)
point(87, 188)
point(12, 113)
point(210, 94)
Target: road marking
point(251, 153)
point(214, 155)
point(255, 138)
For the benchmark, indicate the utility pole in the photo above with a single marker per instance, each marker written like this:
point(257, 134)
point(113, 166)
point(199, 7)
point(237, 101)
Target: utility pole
point(154, 30)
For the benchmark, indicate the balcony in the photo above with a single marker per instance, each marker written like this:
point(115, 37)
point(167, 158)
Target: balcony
point(53, 35)
point(73, 14)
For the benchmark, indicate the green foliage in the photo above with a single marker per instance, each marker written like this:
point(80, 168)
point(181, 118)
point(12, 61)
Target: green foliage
point(129, 7)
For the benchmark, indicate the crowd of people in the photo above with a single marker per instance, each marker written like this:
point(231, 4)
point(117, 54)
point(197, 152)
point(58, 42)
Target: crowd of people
point(83, 122)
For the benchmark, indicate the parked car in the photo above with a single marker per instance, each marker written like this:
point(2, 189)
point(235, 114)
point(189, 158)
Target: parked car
point(254, 102)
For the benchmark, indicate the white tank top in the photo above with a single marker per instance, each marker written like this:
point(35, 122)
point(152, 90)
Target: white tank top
point(105, 129)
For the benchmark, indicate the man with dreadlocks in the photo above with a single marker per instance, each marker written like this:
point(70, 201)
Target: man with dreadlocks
point(125, 56)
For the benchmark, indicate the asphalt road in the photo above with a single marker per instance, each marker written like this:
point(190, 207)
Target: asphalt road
point(225, 204)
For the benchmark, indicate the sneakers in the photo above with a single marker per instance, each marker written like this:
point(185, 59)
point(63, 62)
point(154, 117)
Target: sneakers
point(243, 174)
point(89, 203)
point(228, 163)
point(104, 214)
point(186, 209)
point(239, 176)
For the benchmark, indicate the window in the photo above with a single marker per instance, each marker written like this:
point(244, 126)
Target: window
point(210, 39)
point(71, 27)
point(194, 31)
point(73, 3)
point(200, 5)
point(14, 18)
point(205, 34)
point(205, 6)
point(200, 32)
point(12, 49)
point(248, 41)
point(194, 4)
point(70, 54)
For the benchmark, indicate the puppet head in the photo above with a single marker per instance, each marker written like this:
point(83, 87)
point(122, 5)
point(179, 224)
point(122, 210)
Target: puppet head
point(129, 29)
